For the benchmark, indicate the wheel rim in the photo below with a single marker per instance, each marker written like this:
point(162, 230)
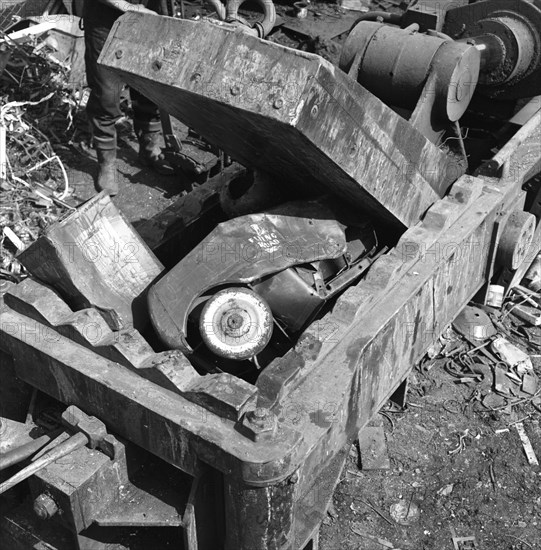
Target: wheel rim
point(236, 324)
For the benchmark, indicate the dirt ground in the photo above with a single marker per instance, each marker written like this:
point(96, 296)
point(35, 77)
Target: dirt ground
point(485, 489)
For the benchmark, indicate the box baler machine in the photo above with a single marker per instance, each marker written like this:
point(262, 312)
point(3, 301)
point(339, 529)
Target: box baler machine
point(212, 404)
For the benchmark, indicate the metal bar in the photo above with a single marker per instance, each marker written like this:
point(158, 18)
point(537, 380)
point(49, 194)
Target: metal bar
point(164, 423)
point(495, 164)
point(75, 442)
point(171, 141)
point(14, 456)
point(526, 113)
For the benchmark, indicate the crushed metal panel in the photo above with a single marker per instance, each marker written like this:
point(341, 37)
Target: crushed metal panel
point(241, 251)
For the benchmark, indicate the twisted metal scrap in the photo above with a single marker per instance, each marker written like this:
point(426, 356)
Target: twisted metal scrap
point(33, 179)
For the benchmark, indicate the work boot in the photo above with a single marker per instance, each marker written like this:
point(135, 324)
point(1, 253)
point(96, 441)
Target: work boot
point(151, 154)
point(107, 174)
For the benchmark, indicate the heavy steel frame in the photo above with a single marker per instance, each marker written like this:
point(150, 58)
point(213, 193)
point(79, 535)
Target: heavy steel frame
point(276, 484)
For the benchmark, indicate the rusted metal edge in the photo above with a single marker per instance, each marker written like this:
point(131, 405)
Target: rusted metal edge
point(160, 421)
point(378, 329)
point(493, 167)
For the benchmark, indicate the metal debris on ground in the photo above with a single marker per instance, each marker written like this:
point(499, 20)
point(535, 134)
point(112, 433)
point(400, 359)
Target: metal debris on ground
point(490, 349)
point(474, 324)
point(462, 543)
point(526, 444)
point(405, 511)
point(446, 490)
point(462, 437)
point(378, 512)
point(358, 531)
point(317, 25)
point(531, 315)
point(355, 5)
point(512, 356)
point(495, 296)
point(373, 449)
point(37, 109)
point(525, 303)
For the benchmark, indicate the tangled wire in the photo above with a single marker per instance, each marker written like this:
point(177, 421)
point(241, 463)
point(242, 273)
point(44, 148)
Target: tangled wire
point(37, 117)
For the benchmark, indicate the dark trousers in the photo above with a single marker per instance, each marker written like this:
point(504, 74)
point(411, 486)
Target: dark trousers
point(103, 108)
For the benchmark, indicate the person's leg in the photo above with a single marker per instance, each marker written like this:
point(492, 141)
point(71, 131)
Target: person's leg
point(146, 121)
point(148, 129)
point(103, 108)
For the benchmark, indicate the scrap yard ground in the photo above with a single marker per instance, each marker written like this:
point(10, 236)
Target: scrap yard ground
point(457, 475)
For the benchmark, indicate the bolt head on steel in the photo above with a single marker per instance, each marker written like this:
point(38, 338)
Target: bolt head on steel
point(259, 423)
point(44, 506)
point(260, 413)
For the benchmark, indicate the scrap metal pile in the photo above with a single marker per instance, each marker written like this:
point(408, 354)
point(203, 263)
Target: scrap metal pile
point(38, 105)
point(245, 364)
point(482, 353)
